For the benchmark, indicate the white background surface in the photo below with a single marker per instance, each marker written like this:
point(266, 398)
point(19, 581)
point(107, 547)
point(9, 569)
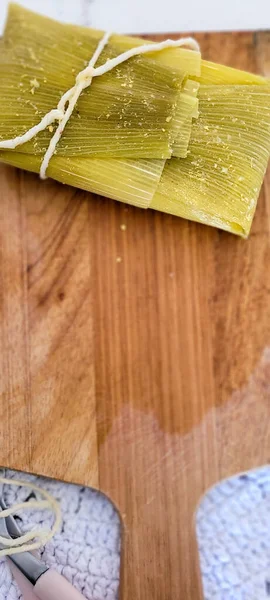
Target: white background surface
point(142, 16)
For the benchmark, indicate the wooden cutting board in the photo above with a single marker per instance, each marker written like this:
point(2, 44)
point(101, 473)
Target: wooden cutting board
point(149, 377)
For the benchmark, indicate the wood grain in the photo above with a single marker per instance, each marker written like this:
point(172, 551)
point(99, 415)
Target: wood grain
point(149, 377)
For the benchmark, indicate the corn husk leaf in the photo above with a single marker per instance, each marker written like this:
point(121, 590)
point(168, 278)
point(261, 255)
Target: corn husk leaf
point(128, 112)
point(216, 74)
point(226, 121)
point(219, 182)
point(130, 181)
point(187, 110)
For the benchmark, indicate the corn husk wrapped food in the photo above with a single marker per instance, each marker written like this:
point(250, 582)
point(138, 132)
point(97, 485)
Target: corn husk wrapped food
point(163, 129)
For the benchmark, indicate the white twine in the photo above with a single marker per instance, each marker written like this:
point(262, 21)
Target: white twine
point(21, 544)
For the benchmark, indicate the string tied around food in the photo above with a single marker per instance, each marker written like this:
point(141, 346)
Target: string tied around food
point(84, 80)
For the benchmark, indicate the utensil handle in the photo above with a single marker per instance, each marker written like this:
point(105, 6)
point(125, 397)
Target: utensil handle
point(52, 586)
point(25, 586)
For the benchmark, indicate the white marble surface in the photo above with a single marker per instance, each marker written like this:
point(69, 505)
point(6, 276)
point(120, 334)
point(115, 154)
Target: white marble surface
point(135, 16)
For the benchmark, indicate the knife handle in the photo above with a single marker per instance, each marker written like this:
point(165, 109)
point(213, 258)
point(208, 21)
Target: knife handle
point(52, 586)
point(25, 586)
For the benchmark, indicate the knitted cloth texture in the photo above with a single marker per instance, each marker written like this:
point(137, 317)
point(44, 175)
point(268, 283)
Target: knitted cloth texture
point(232, 527)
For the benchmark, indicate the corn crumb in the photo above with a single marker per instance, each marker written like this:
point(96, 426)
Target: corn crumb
point(34, 83)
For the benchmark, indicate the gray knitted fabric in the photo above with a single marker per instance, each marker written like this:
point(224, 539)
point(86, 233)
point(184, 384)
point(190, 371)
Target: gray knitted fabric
point(85, 551)
point(233, 531)
point(233, 528)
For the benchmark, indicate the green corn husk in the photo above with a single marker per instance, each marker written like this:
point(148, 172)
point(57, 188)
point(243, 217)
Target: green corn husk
point(130, 181)
point(219, 133)
point(187, 110)
point(219, 182)
point(215, 74)
point(129, 112)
